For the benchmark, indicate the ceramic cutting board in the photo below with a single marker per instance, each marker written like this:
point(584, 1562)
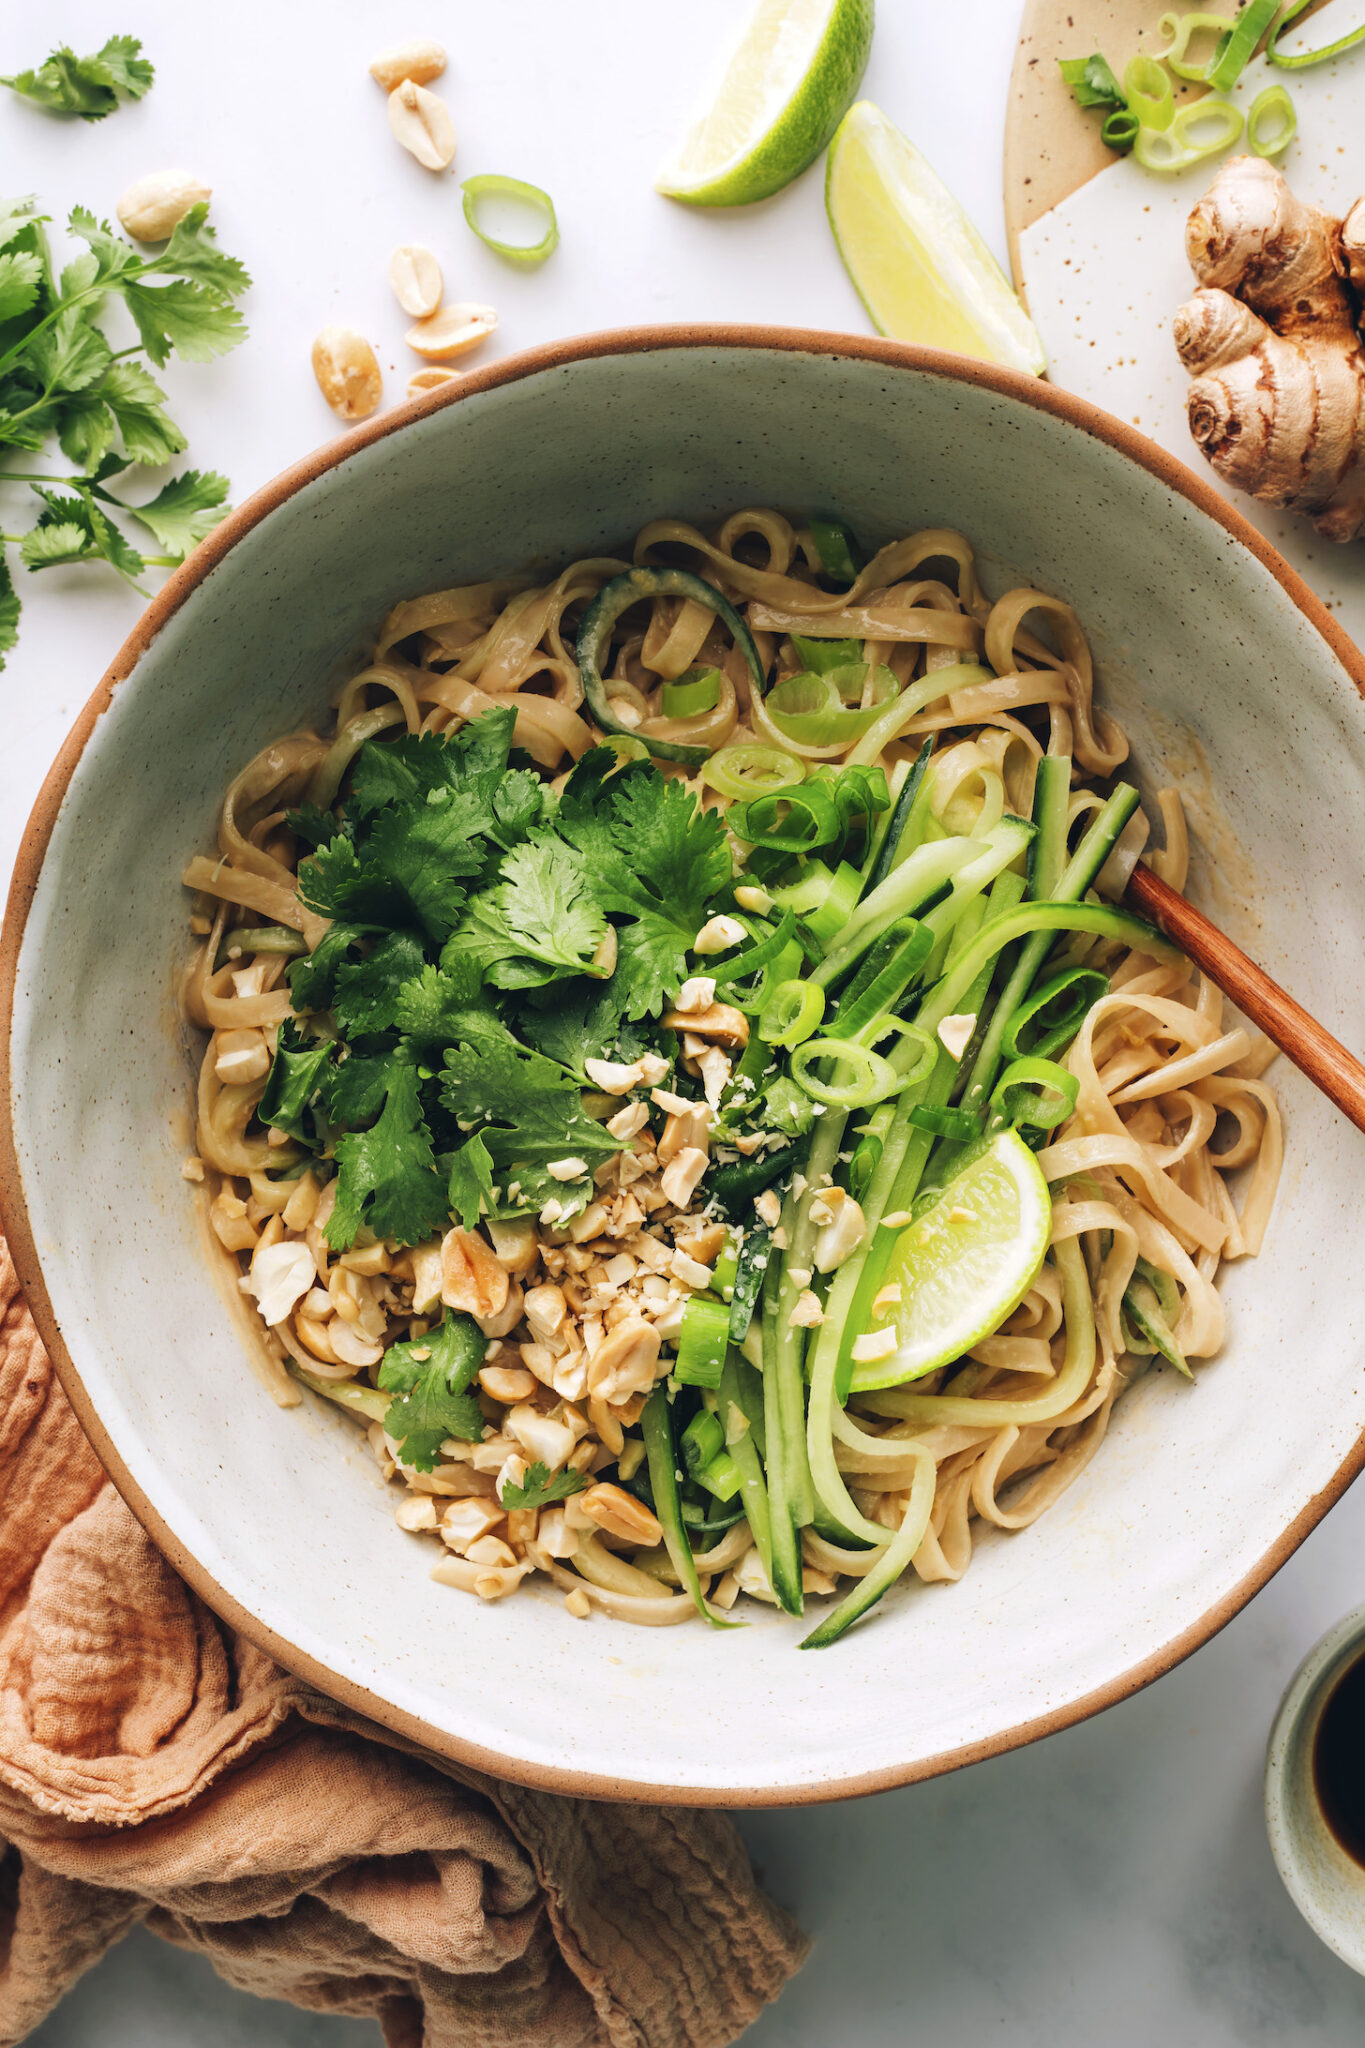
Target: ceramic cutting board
point(1097, 243)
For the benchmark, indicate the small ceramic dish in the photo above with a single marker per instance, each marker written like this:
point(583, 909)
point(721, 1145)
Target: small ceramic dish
point(1326, 1884)
point(1225, 672)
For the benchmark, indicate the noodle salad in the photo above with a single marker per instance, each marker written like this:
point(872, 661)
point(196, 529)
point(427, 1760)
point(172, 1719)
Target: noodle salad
point(679, 1076)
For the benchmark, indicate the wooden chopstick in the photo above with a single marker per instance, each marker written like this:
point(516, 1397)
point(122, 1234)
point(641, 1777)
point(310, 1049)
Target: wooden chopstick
point(1328, 1065)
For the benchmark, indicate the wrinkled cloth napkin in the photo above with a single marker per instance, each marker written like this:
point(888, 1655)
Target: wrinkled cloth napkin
point(156, 1767)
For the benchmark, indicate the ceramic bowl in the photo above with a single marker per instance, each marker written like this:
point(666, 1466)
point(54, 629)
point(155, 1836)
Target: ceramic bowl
point(1216, 659)
point(1326, 1884)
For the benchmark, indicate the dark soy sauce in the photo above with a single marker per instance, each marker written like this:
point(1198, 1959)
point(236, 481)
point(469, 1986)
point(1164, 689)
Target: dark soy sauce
point(1339, 1760)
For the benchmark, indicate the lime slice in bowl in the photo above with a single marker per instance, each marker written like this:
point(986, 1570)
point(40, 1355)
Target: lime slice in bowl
point(783, 94)
point(964, 1265)
point(917, 263)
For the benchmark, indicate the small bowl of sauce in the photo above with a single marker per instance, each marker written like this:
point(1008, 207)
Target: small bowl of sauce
point(1315, 1789)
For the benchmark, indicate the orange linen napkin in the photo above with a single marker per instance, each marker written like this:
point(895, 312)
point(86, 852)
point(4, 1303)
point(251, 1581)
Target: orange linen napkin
point(156, 1767)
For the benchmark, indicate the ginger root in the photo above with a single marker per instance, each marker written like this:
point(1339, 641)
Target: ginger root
point(1273, 343)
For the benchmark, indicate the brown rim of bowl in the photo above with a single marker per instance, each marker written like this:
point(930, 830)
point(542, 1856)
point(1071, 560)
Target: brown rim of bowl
point(625, 341)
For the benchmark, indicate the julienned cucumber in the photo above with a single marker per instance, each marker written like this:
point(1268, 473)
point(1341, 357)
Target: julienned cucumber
point(594, 637)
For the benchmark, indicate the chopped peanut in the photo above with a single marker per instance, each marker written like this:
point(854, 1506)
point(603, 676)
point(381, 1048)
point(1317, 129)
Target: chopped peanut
point(471, 1277)
point(618, 1512)
point(507, 1383)
point(680, 1177)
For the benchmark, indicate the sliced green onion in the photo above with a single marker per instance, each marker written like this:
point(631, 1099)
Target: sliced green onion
point(907, 817)
point(819, 710)
point(1056, 1011)
point(734, 1187)
point(795, 821)
point(491, 186)
point(867, 1155)
point(1182, 28)
point(1303, 59)
point(1237, 46)
point(1120, 130)
point(1035, 1092)
point(594, 640)
point(822, 657)
point(701, 1441)
point(726, 1268)
point(752, 769)
point(1092, 82)
point(872, 1079)
point(792, 1013)
point(701, 1342)
point(743, 1420)
point(720, 1477)
point(840, 556)
point(695, 691)
point(829, 917)
point(1179, 147)
point(1149, 92)
point(1272, 122)
point(946, 1122)
point(748, 962)
point(265, 938)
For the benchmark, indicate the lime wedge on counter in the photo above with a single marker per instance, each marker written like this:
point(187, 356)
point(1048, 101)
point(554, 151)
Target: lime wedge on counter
point(785, 88)
point(917, 263)
point(965, 1264)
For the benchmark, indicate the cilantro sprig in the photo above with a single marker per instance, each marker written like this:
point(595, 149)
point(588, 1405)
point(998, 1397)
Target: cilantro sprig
point(88, 86)
point(444, 1018)
point(541, 1488)
point(430, 1380)
point(62, 378)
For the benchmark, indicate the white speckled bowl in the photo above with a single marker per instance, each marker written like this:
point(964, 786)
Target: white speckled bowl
point(1326, 1884)
point(279, 1519)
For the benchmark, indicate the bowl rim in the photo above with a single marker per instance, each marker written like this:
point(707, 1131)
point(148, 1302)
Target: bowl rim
point(331, 455)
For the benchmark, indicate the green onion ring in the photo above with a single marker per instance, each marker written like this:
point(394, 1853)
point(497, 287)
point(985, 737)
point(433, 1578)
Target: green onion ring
point(690, 694)
point(792, 1013)
point(1035, 1092)
point(1305, 58)
point(756, 956)
point(750, 769)
point(874, 1078)
point(1271, 106)
point(491, 186)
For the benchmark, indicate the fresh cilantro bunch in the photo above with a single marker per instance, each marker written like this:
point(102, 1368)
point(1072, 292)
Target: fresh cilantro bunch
point(88, 86)
point(449, 1009)
point(62, 378)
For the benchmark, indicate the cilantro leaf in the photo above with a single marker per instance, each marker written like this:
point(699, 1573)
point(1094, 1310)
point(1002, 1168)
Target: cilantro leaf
point(578, 1022)
point(299, 1077)
point(89, 86)
point(471, 1180)
point(366, 992)
point(419, 765)
point(73, 529)
point(131, 72)
point(443, 1006)
point(188, 319)
point(528, 1114)
point(430, 1380)
point(147, 431)
point(184, 510)
point(311, 979)
point(9, 607)
point(312, 823)
point(387, 1177)
point(539, 921)
point(655, 856)
point(407, 868)
point(541, 1488)
point(21, 273)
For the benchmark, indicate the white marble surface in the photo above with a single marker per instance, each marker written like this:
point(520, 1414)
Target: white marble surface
point(1114, 1882)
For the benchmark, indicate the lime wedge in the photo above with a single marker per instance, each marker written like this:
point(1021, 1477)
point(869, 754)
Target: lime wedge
point(917, 263)
point(785, 88)
point(965, 1264)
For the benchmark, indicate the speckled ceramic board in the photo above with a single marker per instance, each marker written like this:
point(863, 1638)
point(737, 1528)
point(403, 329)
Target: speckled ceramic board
point(1097, 243)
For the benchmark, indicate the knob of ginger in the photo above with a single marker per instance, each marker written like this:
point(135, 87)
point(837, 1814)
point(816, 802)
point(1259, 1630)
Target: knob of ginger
point(1271, 339)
